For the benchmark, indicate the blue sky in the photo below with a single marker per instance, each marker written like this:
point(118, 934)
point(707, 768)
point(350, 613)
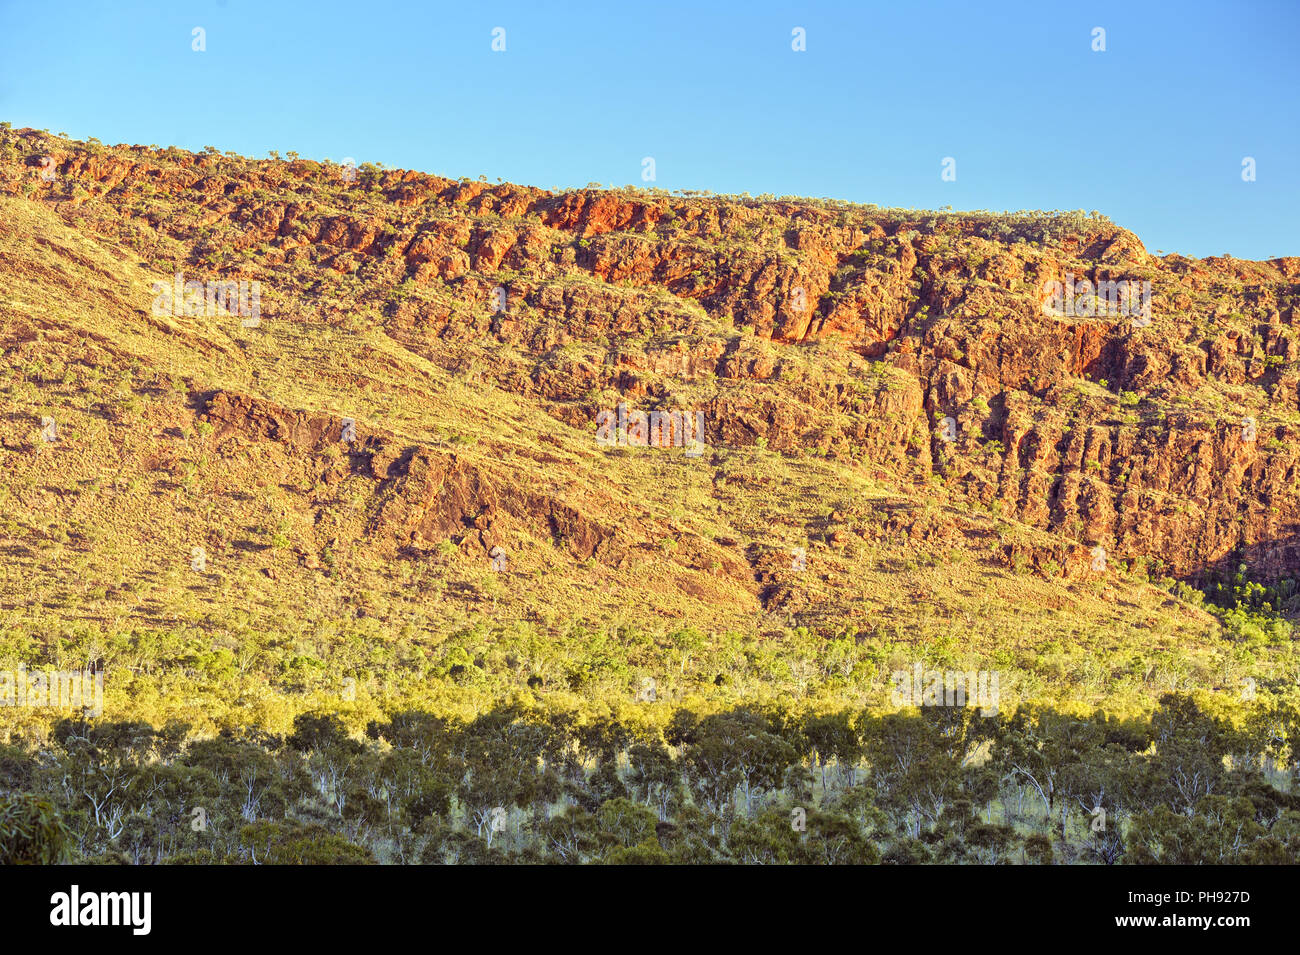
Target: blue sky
point(1151, 132)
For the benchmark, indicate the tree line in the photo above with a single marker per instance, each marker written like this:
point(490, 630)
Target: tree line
point(749, 785)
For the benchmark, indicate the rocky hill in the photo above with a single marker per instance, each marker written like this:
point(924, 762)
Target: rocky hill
point(387, 449)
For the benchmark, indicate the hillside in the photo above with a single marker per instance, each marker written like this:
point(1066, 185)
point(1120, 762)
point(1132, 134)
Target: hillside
point(475, 539)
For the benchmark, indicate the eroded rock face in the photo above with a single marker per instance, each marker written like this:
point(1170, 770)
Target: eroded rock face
point(234, 416)
point(421, 496)
point(1105, 431)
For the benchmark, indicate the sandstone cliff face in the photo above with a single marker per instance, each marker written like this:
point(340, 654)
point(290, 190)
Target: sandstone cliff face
point(844, 331)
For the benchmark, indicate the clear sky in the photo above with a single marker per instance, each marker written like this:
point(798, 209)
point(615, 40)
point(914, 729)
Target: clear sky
point(1152, 132)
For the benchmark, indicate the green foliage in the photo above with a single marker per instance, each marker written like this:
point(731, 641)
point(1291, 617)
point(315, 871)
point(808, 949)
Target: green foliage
point(523, 783)
point(1251, 611)
point(272, 843)
point(32, 831)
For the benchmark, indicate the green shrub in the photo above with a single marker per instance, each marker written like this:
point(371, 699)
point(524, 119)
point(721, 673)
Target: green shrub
point(32, 832)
